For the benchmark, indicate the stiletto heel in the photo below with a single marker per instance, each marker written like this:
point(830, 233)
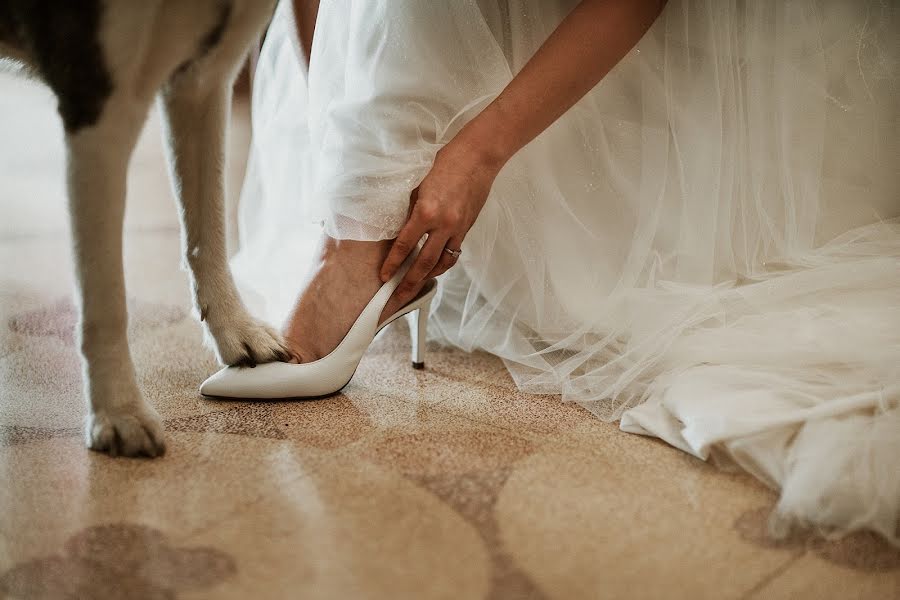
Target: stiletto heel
point(419, 333)
point(329, 374)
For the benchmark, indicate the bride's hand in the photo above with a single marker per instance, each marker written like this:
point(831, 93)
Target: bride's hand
point(583, 48)
point(445, 205)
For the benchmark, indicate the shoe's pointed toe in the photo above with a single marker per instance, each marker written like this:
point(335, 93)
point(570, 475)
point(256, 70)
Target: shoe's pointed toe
point(218, 384)
point(278, 380)
point(246, 382)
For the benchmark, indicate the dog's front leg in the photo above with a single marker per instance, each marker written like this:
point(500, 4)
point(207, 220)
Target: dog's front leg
point(119, 421)
point(195, 111)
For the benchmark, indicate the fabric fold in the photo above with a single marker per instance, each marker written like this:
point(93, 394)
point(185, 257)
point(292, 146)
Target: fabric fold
point(705, 247)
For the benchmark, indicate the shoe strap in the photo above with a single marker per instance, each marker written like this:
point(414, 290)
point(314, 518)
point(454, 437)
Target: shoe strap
point(366, 325)
point(384, 293)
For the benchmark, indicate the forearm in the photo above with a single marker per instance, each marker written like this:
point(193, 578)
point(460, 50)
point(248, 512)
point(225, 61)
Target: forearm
point(589, 42)
point(585, 46)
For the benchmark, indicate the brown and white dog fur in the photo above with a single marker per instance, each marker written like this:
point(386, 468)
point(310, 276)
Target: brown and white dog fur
point(107, 61)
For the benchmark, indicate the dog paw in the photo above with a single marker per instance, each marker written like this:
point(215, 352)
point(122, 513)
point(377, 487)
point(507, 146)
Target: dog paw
point(248, 343)
point(126, 432)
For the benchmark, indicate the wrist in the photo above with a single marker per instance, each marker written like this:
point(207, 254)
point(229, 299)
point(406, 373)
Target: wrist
point(484, 143)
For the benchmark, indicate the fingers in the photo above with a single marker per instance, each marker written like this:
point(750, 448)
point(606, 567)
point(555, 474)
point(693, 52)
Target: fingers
point(426, 260)
point(446, 259)
point(443, 228)
point(406, 240)
point(405, 243)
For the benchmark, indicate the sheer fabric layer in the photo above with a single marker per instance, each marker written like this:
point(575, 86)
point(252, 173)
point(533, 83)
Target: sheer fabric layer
point(702, 247)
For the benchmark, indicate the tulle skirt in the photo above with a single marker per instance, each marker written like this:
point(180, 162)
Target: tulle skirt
point(706, 247)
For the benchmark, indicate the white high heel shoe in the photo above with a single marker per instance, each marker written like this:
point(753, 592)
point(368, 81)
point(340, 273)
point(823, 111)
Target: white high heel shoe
point(331, 373)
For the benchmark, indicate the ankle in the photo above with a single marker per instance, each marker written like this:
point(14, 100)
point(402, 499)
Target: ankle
point(356, 252)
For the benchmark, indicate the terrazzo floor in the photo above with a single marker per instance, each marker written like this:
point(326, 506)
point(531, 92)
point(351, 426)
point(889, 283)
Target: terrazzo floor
point(442, 483)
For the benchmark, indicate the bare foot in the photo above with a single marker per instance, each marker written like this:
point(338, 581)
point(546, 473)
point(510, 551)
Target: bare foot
point(338, 287)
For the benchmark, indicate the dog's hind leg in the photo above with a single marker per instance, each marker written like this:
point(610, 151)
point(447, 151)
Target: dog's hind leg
point(195, 107)
point(119, 421)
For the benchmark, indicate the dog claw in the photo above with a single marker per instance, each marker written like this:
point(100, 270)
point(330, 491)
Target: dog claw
point(247, 344)
point(251, 358)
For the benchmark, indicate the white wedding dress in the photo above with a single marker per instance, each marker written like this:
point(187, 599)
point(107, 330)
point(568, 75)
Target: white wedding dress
point(705, 247)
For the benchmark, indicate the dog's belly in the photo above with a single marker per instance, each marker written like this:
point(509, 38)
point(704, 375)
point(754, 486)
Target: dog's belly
point(61, 44)
point(84, 50)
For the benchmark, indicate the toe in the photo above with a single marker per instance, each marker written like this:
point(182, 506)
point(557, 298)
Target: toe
point(249, 358)
point(131, 437)
point(157, 439)
point(101, 436)
point(157, 446)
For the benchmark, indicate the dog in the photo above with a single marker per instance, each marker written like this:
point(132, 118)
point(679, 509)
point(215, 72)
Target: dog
point(107, 62)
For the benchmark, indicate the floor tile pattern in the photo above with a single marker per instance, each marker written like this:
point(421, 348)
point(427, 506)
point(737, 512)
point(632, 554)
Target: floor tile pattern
point(442, 483)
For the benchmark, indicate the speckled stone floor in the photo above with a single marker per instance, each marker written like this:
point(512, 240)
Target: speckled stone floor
point(442, 483)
